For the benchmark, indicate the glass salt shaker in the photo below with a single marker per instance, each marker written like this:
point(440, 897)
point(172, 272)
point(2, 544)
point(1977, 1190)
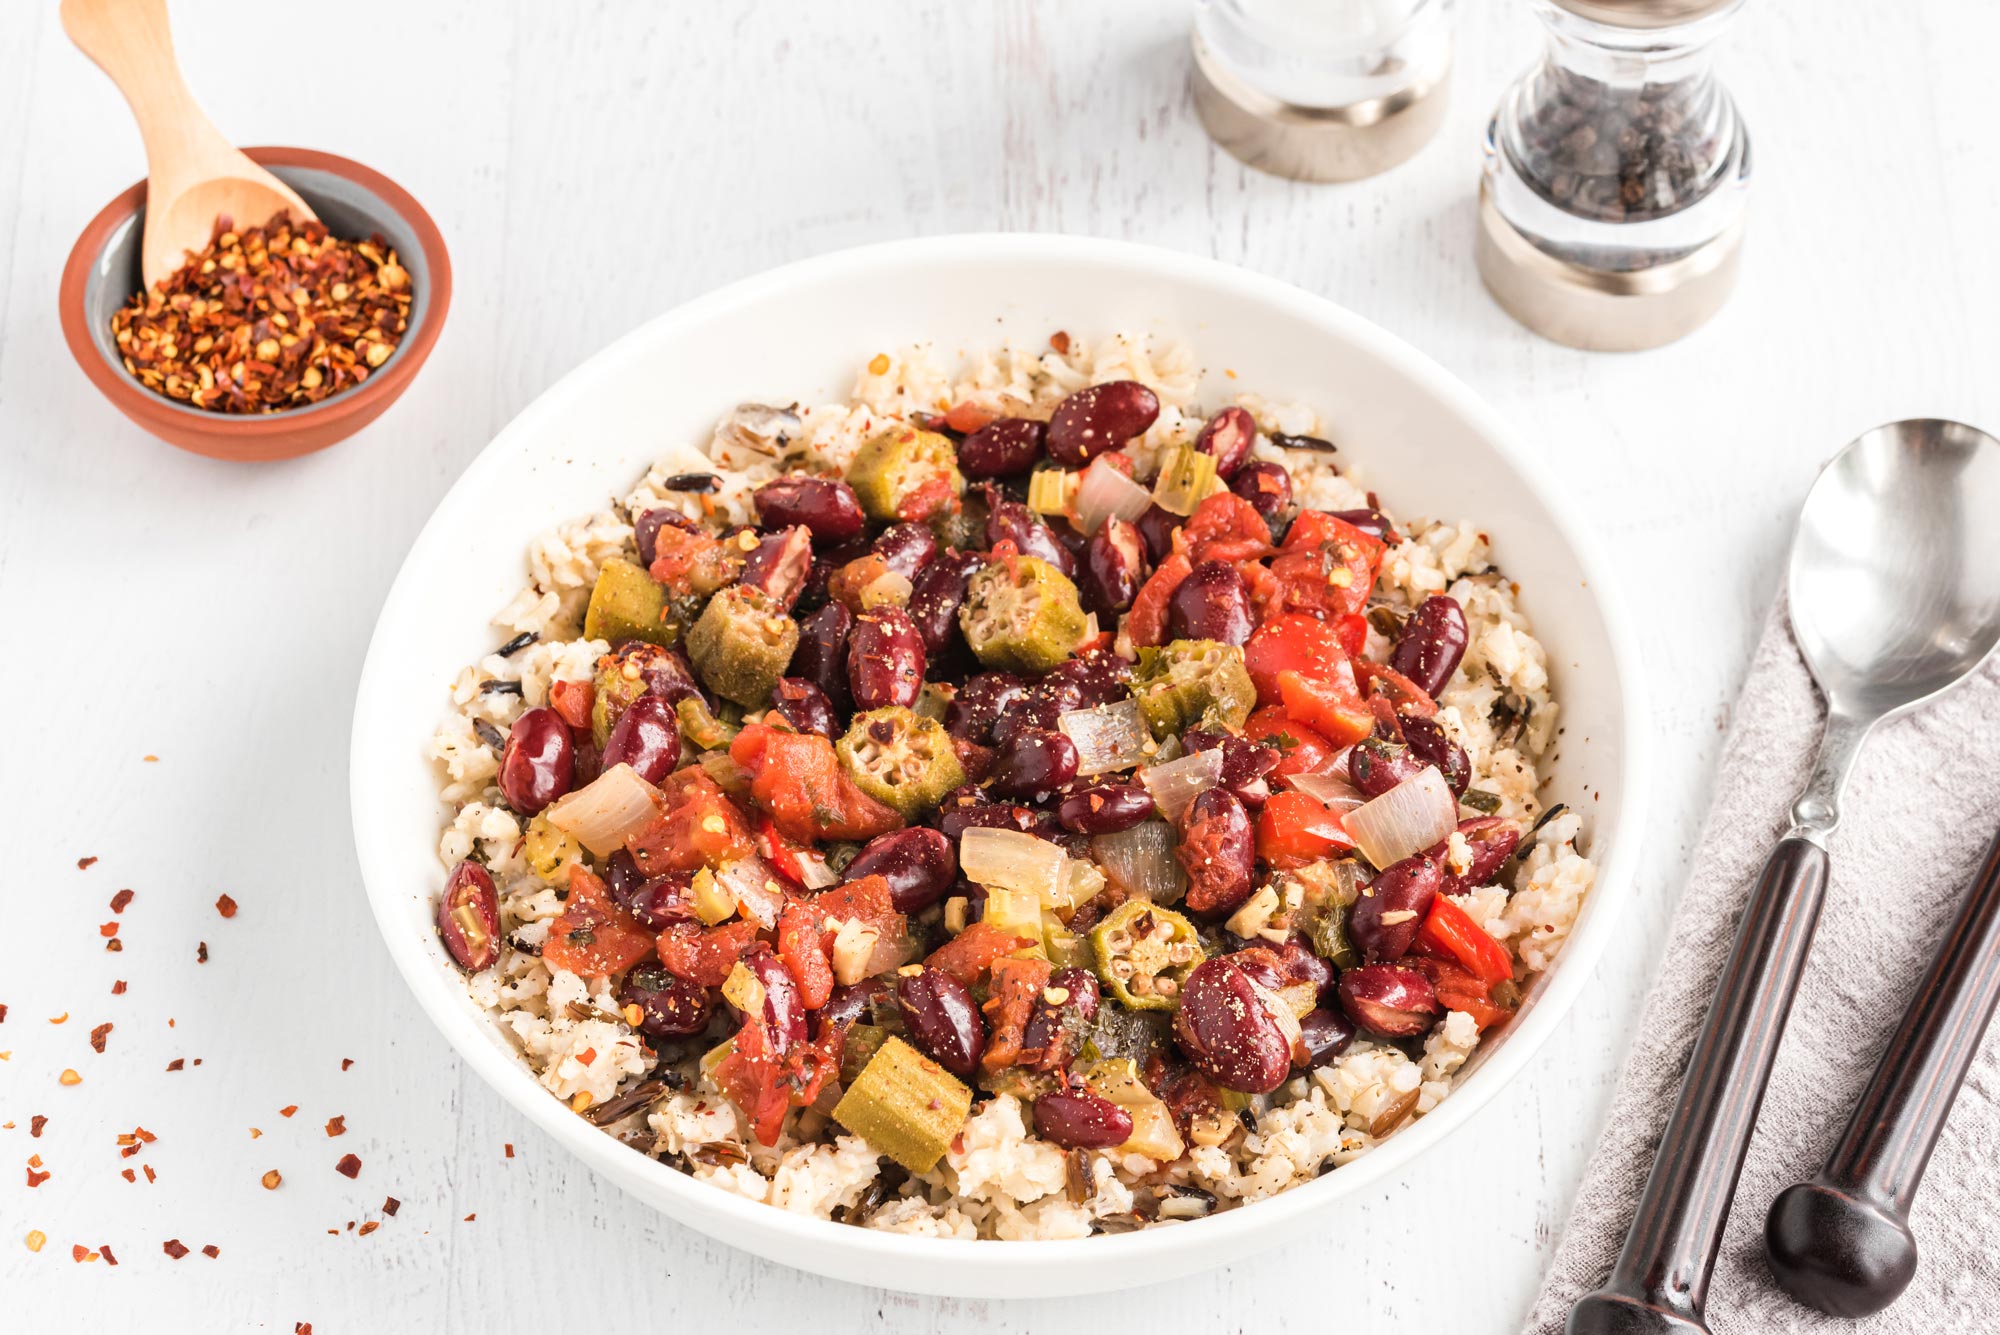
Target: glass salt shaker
point(1322, 90)
point(1611, 208)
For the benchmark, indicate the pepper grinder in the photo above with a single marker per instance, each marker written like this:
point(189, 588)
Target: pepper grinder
point(1322, 90)
point(1612, 201)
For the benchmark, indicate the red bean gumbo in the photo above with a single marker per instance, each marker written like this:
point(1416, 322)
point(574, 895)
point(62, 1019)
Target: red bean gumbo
point(1025, 800)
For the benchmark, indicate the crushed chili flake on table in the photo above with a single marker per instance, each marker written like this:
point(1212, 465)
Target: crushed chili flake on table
point(114, 945)
point(147, 1169)
point(58, 1019)
point(118, 988)
point(104, 1249)
point(35, 1125)
point(390, 1205)
point(108, 928)
point(370, 1227)
point(349, 1165)
point(150, 760)
point(288, 1111)
point(201, 952)
point(177, 1063)
point(272, 1179)
point(70, 1077)
point(36, 1239)
point(36, 1179)
point(226, 906)
point(336, 1126)
point(98, 1035)
point(469, 1218)
point(128, 1175)
point(510, 1149)
point(85, 864)
point(120, 900)
point(267, 318)
point(302, 1328)
point(80, 1253)
point(346, 1062)
point(211, 1251)
point(3, 1013)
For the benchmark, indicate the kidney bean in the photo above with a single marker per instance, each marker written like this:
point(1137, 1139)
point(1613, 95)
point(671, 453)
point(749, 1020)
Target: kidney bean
point(784, 1011)
point(663, 901)
point(1228, 436)
point(1156, 529)
point(970, 808)
point(1098, 419)
point(1383, 922)
point(1113, 568)
point(1227, 1029)
point(1004, 447)
point(1014, 522)
point(667, 672)
point(851, 1001)
point(1267, 486)
point(1218, 847)
point(804, 706)
point(984, 698)
point(1212, 603)
point(1431, 744)
point(1372, 522)
point(1298, 964)
point(647, 737)
point(943, 1019)
point(919, 864)
point(885, 659)
point(936, 595)
point(1326, 1034)
point(669, 1006)
point(1246, 766)
point(1493, 840)
point(1033, 763)
point(538, 764)
point(646, 530)
point(469, 917)
point(828, 508)
point(1431, 644)
point(1055, 1029)
point(1389, 1000)
point(1081, 1119)
point(821, 657)
point(906, 548)
point(780, 565)
point(1105, 808)
point(1376, 765)
point(1097, 677)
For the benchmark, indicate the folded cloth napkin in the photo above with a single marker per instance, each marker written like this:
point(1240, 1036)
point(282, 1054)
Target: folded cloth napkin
point(1919, 810)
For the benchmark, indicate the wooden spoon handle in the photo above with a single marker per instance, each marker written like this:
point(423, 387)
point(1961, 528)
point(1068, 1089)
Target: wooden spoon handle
point(1661, 1276)
point(131, 42)
point(1841, 1242)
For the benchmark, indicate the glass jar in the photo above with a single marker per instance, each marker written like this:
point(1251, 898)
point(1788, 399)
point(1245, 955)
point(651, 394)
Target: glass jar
point(1616, 174)
point(1322, 90)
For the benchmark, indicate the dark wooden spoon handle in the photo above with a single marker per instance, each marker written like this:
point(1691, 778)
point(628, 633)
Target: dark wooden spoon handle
point(1841, 1242)
point(1661, 1277)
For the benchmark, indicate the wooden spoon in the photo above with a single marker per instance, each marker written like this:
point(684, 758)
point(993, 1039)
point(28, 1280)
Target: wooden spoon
point(193, 175)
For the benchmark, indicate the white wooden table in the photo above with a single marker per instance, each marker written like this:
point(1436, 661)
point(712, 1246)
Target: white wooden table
point(592, 166)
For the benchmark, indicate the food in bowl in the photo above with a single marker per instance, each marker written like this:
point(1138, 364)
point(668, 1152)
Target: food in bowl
point(1014, 802)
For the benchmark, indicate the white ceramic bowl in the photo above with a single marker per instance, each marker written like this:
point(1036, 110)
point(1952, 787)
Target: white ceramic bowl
point(1417, 435)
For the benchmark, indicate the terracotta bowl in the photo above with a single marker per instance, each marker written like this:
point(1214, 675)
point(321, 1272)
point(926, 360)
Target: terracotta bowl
point(353, 201)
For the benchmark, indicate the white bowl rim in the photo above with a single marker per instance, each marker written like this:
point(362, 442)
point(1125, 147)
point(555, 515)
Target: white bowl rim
point(450, 1008)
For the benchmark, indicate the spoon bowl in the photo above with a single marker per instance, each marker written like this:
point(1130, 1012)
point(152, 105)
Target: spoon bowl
point(1895, 572)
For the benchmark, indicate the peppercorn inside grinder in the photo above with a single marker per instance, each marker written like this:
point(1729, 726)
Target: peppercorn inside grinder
point(1611, 207)
point(1322, 90)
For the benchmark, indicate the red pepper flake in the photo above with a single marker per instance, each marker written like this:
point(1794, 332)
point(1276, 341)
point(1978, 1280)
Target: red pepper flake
point(34, 1161)
point(1060, 342)
point(336, 1126)
point(114, 945)
point(177, 1064)
point(97, 1036)
point(104, 1248)
point(350, 1226)
point(346, 1062)
point(174, 1247)
point(510, 1149)
point(147, 1169)
point(120, 900)
point(108, 928)
point(58, 1019)
point(349, 1166)
point(201, 952)
point(587, 1056)
point(36, 1179)
point(469, 1218)
point(85, 864)
point(287, 1112)
point(370, 1227)
point(143, 1134)
point(390, 1205)
point(128, 1175)
point(81, 1253)
point(35, 1125)
point(226, 906)
point(302, 1328)
point(150, 760)
point(118, 988)
point(129, 1151)
point(197, 1061)
point(211, 1251)
point(3, 1013)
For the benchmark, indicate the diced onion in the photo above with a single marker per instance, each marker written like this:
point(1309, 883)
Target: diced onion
point(1178, 782)
point(814, 874)
point(1412, 816)
point(888, 589)
point(605, 812)
point(1141, 861)
point(1081, 882)
point(1011, 860)
point(1106, 493)
point(755, 888)
point(1111, 737)
point(1332, 789)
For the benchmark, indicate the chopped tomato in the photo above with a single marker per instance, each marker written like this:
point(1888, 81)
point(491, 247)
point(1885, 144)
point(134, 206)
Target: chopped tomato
point(1147, 621)
point(1326, 566)
point(1294, 829)
point(1224, 527)
point(704, 956)
point(1449, 933)
point(927, 501)
point(593, 935)
point(804, 955)
point(692, 562)
point(967, 417)
point(1332, 708)
point(572, 701)
point(1353, 632)
point(866, 900)
point(785, 856)
point(1291, 641)
point(973, 951)
point(1303, 750)
point(1385, 683)
point(798, 779)
point(1017, 984)
point(1458, 990)
point(698, 826)
point(749, 1076)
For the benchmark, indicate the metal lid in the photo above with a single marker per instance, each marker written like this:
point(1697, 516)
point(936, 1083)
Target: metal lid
point(1344, 143)
point(1644, 13)
point(1600, 310)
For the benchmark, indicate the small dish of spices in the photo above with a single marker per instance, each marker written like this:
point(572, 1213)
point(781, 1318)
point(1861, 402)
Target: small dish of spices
point(281, 336)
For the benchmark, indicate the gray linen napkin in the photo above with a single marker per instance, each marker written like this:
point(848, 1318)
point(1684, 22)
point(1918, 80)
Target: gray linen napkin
point(1920, 809)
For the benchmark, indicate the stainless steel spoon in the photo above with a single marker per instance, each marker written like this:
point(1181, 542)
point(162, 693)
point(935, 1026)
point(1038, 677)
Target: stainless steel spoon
point(1895, 596)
